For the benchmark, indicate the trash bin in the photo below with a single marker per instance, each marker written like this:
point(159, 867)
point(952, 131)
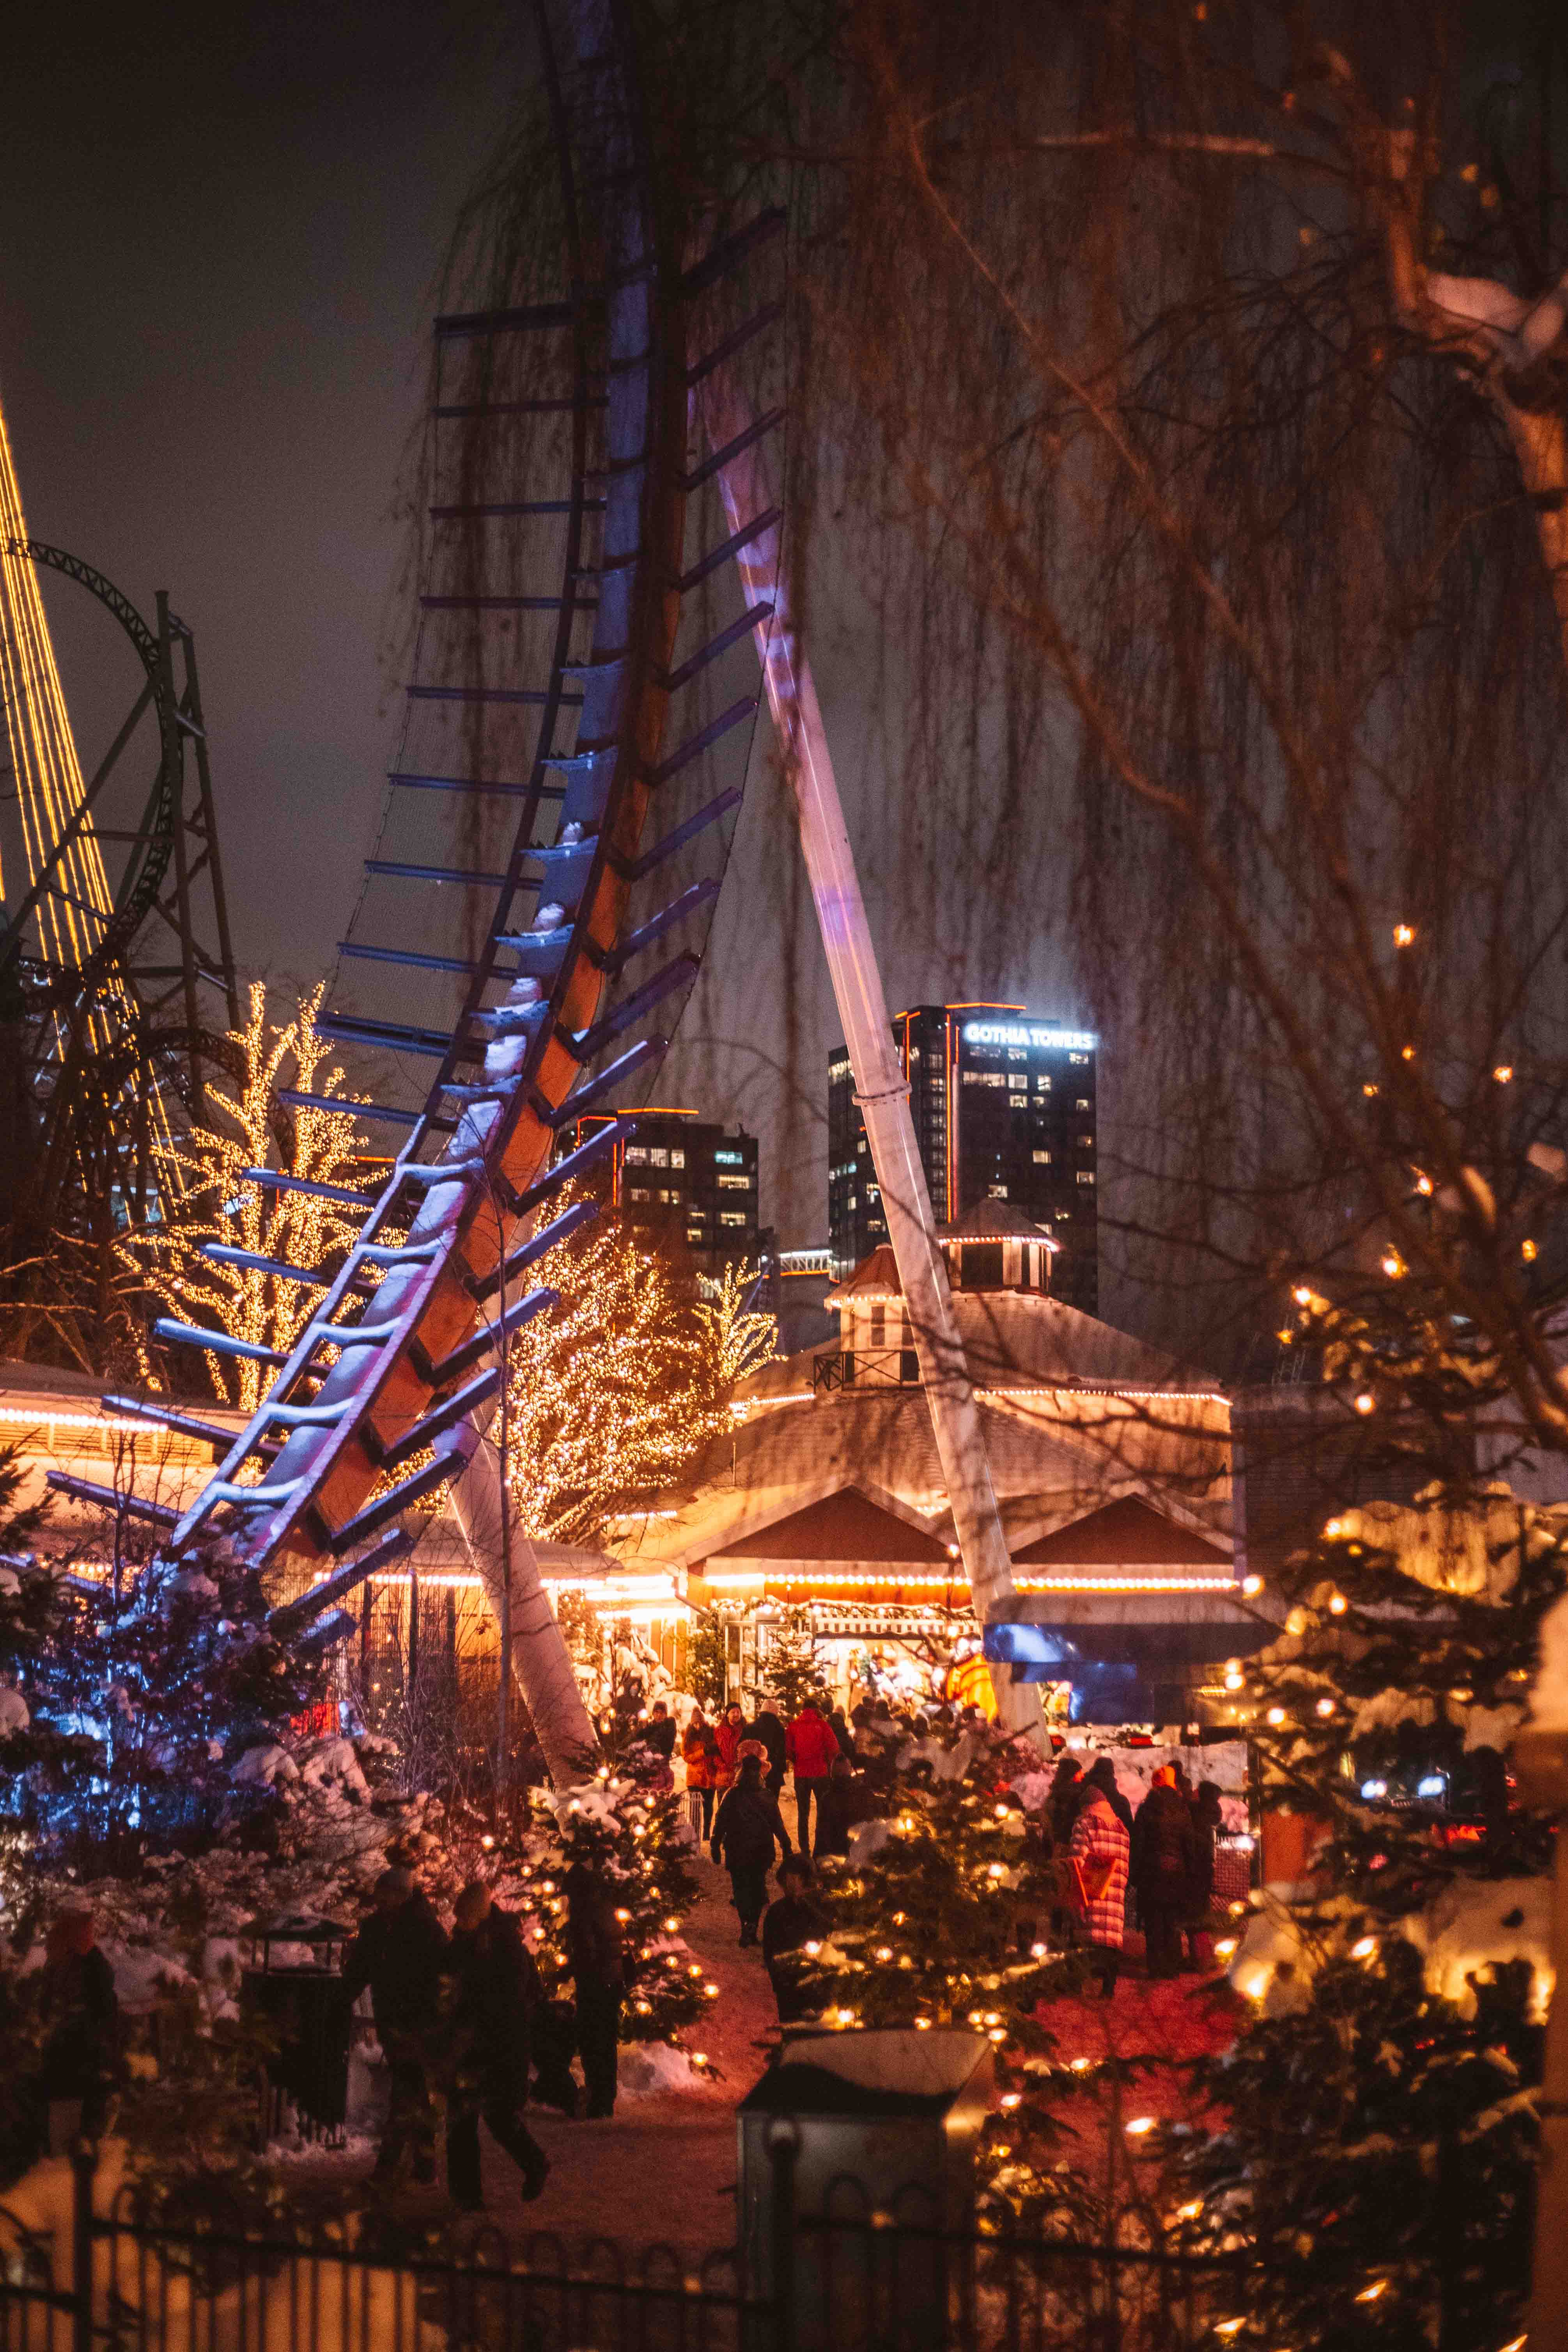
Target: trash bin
point(857, 2183)
point(291, 1984)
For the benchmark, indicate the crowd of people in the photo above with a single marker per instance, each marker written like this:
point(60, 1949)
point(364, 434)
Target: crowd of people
point(466, 2015)
point(1164, 1854)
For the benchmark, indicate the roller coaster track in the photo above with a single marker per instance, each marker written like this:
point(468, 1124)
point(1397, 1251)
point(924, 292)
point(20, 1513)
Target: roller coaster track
point(580, 946)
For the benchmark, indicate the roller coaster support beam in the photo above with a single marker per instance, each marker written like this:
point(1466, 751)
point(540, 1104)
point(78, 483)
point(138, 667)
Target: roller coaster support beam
point(881, 1087)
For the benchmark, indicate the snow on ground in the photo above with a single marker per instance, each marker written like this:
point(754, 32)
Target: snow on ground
point(1473, 1924)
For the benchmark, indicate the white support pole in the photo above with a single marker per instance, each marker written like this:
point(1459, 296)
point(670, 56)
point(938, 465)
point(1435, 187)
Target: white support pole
point(880, 1086)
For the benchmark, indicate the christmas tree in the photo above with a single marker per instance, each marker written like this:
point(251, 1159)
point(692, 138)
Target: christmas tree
point(790, 1674)
point(1379, 2135)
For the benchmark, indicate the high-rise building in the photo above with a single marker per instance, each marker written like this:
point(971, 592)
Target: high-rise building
point(1004, 1107)
point(684, 1180)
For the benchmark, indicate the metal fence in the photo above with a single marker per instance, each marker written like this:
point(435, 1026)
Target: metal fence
point(852, 2279)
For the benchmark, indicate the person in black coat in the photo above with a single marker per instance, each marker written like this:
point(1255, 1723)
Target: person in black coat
point(658, 1731)
point(842, 1733)
point(400, 1952)
point(747, 1826)
point(1101, 1775)
point(80, 2017)
point(1062, 1804)
point(770, 1730)
point(1164, 1859)
point(598, 1979)
point(495, 1995)
point(1207, 1822)
point(791, 1923)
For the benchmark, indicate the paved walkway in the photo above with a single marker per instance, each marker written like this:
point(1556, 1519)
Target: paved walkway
point(660, 2167)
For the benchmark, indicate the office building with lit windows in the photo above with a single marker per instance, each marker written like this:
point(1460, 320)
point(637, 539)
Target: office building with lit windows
point(1005, 1109)
point(685, 1181)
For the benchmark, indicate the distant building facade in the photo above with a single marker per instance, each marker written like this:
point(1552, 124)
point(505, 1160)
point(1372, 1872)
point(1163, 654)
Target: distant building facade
point(685, 1181)
point(1006, 1108)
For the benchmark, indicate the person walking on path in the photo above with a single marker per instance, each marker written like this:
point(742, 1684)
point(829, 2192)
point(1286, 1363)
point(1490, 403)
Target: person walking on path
point(1207, 1822)
point(745, 1830)
point(80, 2017)
point(599, 1981)
point(813, 1752)
point(791, 1922)
point(770, 1730)
point(400, 1953)
point(1099, 1851)
point(700, 1749)
point(728, 1736)
point(495, 1995)
point(1165, 1861)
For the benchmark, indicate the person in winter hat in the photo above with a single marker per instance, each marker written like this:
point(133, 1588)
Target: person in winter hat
point(1100, 1847)
point(1163, 1861)
point(400, 1953)
point(1066, 1795)
point(81, 2016)
point(748, 1825)
point(495, 1995)
point(813, 1752)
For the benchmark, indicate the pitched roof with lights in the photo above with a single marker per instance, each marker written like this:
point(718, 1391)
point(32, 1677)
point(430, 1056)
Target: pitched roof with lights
point(996, 1221)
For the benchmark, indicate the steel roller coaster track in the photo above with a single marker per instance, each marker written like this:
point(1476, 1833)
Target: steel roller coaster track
point(585, 940)
point(551, 1007)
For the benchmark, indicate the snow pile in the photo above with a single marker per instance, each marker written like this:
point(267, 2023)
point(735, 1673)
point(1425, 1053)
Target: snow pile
point(650, 2070)
point(331, 1763)
point(1474, 1925)
point(263, 1767)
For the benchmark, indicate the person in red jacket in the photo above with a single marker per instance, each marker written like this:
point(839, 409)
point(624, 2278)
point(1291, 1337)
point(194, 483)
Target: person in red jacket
point(811, 1748)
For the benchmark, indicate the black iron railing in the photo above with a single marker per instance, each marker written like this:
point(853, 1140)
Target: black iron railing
point(852, 2278)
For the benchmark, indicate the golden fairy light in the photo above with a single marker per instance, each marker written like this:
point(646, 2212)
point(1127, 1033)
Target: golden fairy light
point(615, 1390)
point(292, 1228)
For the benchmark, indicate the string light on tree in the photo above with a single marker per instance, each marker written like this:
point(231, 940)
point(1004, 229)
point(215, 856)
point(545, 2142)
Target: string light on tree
point(294, 1229)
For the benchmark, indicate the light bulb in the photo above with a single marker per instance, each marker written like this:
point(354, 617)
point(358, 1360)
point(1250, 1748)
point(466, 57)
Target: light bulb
point(1338, 1604)
point(1403, 934)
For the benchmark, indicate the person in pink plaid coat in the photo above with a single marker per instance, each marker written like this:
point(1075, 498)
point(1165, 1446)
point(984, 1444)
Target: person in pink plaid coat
point(1098, 1838)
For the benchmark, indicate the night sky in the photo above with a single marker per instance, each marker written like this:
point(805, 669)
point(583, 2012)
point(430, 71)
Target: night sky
point(222, 232)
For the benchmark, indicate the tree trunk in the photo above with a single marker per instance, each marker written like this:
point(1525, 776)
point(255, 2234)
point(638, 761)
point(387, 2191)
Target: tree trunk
point(541, 1661)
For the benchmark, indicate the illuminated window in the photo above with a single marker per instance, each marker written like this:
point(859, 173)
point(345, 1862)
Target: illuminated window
point(1042, 1159)
point(1017, 1078)
point(854, 1200)
point(734, 1183)
point(731, 1217)
point(637, 1192)
point(984, 1078)
point(1082, 1058)
point(1085, 1142)
point(658, 1157)
point(1083, 1103)
point(1086, 1175)
point(1042, 1085)
point(678, 1159)
point(1017, 1053)
point(637, 1155)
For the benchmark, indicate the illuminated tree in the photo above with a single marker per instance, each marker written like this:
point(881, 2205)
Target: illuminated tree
point(296, 1229)
point(614, 1392)
point(739, 1339)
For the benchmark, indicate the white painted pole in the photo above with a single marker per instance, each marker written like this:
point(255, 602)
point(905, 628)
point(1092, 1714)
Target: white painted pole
point(880, 1082)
